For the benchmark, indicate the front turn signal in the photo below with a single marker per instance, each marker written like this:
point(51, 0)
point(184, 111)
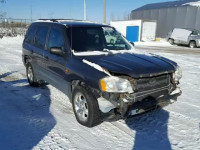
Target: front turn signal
point(103, 85)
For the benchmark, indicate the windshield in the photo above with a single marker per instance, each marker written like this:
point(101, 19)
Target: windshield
point(195, 32)
point(84, 39)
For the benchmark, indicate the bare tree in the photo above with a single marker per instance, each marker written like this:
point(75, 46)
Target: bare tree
point(126, 16)
point(112, 16)
point(2, 13)
point(2, 1)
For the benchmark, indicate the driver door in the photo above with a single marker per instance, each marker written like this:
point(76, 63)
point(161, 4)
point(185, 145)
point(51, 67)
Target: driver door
point(56, 64)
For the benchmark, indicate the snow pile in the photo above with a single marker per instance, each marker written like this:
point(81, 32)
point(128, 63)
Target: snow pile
point(154, 43)
point(11, 40)
point(197, 3)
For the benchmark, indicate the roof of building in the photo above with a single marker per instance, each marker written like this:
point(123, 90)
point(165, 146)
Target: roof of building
point(72, 22)
point(178, 3)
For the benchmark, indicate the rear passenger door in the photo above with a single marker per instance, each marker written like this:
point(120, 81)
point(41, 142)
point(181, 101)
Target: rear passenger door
point(55, 64)
point(39, 50)
point(28, 44)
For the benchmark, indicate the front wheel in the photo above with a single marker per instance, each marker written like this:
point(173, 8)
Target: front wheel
point(192, 44)
point(85, 107)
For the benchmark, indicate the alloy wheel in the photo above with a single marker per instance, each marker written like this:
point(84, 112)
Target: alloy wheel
point(81, 106)
point(30, 74)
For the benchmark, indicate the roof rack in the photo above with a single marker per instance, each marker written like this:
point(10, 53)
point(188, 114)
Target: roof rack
point(57, 20)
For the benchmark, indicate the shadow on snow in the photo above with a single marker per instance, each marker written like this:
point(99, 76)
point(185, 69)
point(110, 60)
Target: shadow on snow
point(151, 130)
point(24, 114)
point(25, 119)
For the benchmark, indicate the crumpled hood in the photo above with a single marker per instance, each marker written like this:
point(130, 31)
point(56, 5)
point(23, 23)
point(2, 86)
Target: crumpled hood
point(135, 65)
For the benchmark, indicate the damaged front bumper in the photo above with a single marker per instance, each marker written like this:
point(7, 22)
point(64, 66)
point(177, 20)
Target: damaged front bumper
point(148, 104)
point(127, 109)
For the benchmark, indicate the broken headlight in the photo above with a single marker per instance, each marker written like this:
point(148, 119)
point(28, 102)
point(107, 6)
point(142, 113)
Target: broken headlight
point(115, 85)
point(178, 74)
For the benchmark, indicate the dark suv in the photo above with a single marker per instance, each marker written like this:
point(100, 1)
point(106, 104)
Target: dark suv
point(104, 80)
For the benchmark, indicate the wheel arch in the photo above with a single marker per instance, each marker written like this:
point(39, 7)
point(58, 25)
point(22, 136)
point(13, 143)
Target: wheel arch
point(170, 39)
point(79, 82)
point(26, 59)
point(75, 83)
point(193, 40)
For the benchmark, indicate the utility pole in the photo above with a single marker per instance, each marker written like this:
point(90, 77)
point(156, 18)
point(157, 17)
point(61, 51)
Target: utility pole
point(85, 15)
point(31, 13)
point(104, 11)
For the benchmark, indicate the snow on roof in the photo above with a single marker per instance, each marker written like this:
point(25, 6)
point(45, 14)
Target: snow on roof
point(178, 3)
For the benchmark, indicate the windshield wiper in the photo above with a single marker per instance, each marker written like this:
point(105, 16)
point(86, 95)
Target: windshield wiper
point(106, 50)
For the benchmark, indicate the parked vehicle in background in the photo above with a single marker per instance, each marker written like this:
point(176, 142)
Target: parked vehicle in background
point(105, 81)
point(189, 37)
point(110, 37)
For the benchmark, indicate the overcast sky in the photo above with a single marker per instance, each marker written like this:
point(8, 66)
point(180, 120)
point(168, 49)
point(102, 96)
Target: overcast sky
point(71, 8)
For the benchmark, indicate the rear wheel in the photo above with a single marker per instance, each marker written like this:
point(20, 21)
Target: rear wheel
point(30, 76)
point(192, 44)
point(171, 41)
point(85, 107)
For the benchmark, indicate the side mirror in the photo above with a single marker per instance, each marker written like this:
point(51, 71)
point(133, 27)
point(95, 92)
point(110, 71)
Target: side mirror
point(56, 51)
point(132, 43)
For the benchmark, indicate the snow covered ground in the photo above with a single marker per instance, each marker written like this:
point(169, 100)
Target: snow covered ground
point(154, 43)
point(42, 118)
point(163, 45)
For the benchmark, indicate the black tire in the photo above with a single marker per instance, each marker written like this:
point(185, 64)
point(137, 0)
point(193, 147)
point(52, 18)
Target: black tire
point(93, 118)
point(32, 81)
point(171, 41)
point(192, 44)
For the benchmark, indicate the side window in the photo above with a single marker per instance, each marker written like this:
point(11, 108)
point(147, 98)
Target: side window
point(56, 39)
point(40, 37)
point(30, 34)
point(194, 33)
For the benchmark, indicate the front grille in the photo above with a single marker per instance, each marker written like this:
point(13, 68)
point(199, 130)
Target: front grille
point(146, 84)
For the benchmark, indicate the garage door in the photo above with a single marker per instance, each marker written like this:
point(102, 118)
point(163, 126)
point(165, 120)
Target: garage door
point(149, 31)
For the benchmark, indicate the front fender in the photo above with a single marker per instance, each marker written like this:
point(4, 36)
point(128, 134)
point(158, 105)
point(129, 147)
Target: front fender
point(78, 70)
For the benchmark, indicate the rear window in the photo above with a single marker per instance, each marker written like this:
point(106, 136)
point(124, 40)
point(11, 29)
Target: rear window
point(30, 34)
point(40, 38)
